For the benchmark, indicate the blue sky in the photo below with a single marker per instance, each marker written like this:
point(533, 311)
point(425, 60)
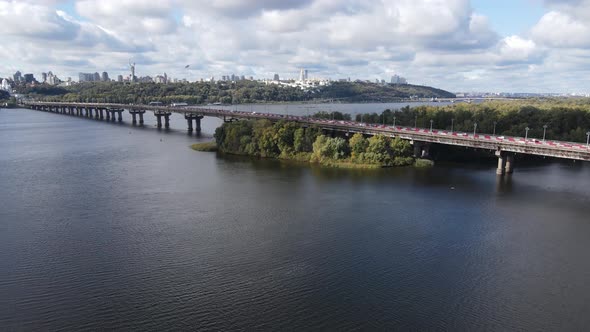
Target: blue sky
point(457, 45)
point(509, 17)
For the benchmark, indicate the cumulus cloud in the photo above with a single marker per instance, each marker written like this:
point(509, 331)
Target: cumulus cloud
point(439, 42)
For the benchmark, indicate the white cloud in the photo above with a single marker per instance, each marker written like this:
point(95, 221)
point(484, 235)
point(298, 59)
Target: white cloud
point(440, 42)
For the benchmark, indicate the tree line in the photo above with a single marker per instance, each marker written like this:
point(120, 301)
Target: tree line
point(238, 92)
point(567, 120)
point(289, 140)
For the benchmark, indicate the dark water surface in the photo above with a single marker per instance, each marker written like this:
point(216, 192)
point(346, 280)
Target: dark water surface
point(105, 226)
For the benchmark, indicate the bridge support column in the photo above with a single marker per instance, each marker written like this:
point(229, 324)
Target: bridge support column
point(134, 114)
point(505, 162)
point(198, 123)
point(159, 120)
point(421, 149)
point(189, 120)
point(159, 114)
point(108, 114)
point(101, 113)
point(120, 113)
point(510, 163)
point(96, 113)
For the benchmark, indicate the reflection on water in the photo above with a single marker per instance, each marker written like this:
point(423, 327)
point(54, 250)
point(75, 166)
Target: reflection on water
point(107, 226)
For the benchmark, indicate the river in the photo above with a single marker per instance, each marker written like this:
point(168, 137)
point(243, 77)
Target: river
point(105, 226)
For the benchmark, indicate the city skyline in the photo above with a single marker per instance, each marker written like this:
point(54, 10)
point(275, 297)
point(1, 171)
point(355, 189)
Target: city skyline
point(456, 45)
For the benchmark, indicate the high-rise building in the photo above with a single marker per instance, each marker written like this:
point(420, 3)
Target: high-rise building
point(395, 79)
point(29, 78)
point(5, 85)
point(301, 75)
point(18, 77)
point(86, 77)
point(276, 78)
point(305, 74)
point(104, 77)
point(120, 78)
point(43, 77)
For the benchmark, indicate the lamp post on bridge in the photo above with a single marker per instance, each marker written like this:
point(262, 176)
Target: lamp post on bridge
point(544, 130)
point(526, 134)
point(415, 121)
point(394, 122)
point(431, 125)
point(452, 124)
point(495, 123)
point(474, 129)
point(587, 139)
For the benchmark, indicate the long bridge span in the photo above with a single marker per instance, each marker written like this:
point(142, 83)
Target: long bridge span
point(505, 147)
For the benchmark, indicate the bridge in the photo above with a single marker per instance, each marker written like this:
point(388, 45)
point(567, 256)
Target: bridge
point(505, 147)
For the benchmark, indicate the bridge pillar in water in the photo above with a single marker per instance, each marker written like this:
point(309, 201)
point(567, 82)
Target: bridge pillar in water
point(159, 114)
point(108, 114)
point(158, 119)
point(505, 162)
point(510, 163)
point(189, 120)
point(134, 114)
point(421, 149)
point(198, 123)
point(167, 120)
point(96, 113)
point(141, 117)
point(101, 111)
point(120, 113)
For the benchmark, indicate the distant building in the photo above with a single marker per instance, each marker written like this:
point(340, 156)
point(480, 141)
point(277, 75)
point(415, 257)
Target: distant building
point(120, 78)
point(395, 79)
point(86, 77)
point(104, 77)
point(18, 77)
point(5, 85)
point(29, 78)
point(52, 79)
point(43, 77)
point(305, 75)
point(301, 75)
point(276, 78)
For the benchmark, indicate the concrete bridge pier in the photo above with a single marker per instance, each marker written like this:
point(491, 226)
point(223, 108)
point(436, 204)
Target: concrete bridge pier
point(120, 115)
point(421, 149)
point(141, 117)
point(189, 120)
point(505, 162)
point(96, 113)
point(101, 113)
point(108, 114)
point(159, 120)
point(159, 114)
point(510, 163)
point(167, 121)
point(134, 114)
point(198, 123)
